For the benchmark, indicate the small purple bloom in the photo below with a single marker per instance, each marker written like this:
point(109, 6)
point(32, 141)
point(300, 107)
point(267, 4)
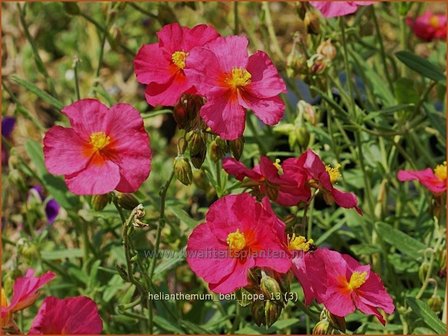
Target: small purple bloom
point(52, 210)
point(8, 124)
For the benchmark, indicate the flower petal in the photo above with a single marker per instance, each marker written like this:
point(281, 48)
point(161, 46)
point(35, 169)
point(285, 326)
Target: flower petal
point(224, 115)
point(95, 179)
point(239, 170)
point(64, 151)
point(169, 93)
point(151, 65)
point(265, 80)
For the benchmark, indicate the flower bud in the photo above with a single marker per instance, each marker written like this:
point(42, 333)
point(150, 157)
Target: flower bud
point(30, 251)
point(237, 147)
point(182, 170)
point(216, 150)
point(303, 136)
point(272, 192)
point(336, 322)
point(198, 149)
point(257, 309)
point(272, 312)
point(186, 111)
point(322, 328)
point(127, 201)
point(270, 287)
point(317, 64)
point(312, 22)
point(423, 270)
point(435, 303)
point(307, 110)
point(327, 50)
point(99, 202)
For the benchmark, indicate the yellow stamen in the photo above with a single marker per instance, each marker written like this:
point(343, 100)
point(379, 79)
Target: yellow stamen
point(179, 58)
point(99, 140)
point(239, 77)
point(236, 241)
point(357, 280)
point(299, 243)
point(434, 21)
point(440, 171)
point(278, 166)
point(333, 172)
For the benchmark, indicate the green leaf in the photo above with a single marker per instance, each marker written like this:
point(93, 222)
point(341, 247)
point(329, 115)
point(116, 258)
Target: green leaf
point(405, 91)
point(421, 65)
point(62, 254)
point(405, 243)
point(38, 92)
point(183, 216)
point(422, 310)
point(165, 325)
point(34, 151)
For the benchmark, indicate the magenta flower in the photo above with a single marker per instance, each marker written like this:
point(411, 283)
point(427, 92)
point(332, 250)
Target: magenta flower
point(429, 26)
point(161, 65)
point(342, 285)
point(434, 180)
point(233, 82)
point(268, 178)
point(106, 149)
point(239, 233)
point(321, 177)
point(25, 292)
point(331, 8)
point(71, 316)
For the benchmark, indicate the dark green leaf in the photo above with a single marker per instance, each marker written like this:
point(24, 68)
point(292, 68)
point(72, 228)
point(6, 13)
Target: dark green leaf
point(421, 65)
point(422, 310)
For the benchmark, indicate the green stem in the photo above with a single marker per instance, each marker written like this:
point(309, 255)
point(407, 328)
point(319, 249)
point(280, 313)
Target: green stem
point(271, 31)
point(382, 52)
point(75, 68)
point(260, 143)
point(236, 18)
point(355, 115)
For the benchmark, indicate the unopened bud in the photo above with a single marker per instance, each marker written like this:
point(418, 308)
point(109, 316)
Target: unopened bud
point(99, 202)
point(336, 322)
point(317, 64)
point(312, 22)
point(237, 147)
point(272, 192)
point(307, 110)
point(127, 201)
point(270, 287)
point(182, 170)
point(303, 136)
point(198, 149)
point(322, 328)
point(30, 251)
point(327, 50)
point(272, 312)
point(257, 310)
point(435, 303)
point(216, 150)
point(186, 111)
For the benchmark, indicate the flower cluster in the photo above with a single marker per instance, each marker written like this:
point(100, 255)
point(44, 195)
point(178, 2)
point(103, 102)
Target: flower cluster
point(219, 69)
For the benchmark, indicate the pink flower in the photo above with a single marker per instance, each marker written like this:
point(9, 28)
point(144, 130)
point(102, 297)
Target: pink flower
point(332, 8)
point(434, 180)
point(321, 177)
point(429, 26)
point(238, 234)
point(233, 82)
point(105, 149)
point(343, 285)
point(269, 179)
point(71, 316)
point(25, 292)
point(161, 65)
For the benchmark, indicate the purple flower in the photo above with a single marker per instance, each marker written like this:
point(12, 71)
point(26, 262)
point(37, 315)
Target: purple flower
point(52, 210)
point(8, 124)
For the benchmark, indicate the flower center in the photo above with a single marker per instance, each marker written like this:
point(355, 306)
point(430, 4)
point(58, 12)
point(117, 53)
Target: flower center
point(178, 58)
point(239, 77)
point(278, 166)
point(299, 243)
point(236, 241)
point(333, 172)
point(99, 140)
point(434, 21)
point(440, 171)
point(357, 280)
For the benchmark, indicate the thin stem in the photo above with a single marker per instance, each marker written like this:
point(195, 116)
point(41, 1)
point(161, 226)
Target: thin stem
point(103, 44)
point(271, 31)
point(354, 113)
point(236, 18)
point(382, 52)
point(260, 143)
point(75, 68)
